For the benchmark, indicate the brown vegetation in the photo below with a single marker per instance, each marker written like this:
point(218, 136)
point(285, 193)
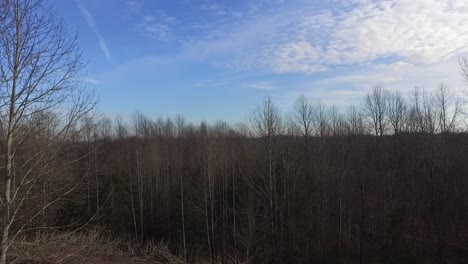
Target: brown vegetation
point(320, 186)
point(87, 246)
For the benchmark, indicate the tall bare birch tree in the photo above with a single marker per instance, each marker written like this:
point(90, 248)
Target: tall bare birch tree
point(39, 76)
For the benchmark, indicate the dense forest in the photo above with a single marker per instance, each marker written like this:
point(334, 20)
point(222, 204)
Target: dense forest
point(385, 181)
point(380, 182)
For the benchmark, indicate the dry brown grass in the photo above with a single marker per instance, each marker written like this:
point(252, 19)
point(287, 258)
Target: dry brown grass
point(62, 247)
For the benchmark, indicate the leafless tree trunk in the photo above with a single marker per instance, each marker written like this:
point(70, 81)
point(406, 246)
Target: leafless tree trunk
point(180, 124)
point(38, 76)
point(424, 111)
point(304, 114)
point(322, 130)
point(355, 124)
point(448, 109)
point(464, 67)
point(396, 111)
point(375, 106)
point(266, 122)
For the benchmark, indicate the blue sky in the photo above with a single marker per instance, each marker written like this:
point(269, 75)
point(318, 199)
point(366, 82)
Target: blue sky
point(211, 60)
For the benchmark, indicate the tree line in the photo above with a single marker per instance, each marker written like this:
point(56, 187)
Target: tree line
point(385, 180)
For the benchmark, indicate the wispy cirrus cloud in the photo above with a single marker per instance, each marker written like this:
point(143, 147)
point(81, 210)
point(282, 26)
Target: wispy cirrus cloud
point(261, 85)
point(92, 24)
point(153, 23)
point(349, 88)
point(337, 48)
point(343, 44)
point(217, 9)
point(158, 26)
point(134, 6)
point(91, 80)
point(305, 38)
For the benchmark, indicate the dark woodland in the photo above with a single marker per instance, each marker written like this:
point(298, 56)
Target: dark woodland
point(321, 186)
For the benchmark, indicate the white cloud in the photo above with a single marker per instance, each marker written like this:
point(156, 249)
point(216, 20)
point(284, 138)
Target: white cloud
point(91, 80)
point(159, 26)
point(153, 23)
point(92, 24)
point(308, 38)
point(354, 44)
point(350, 88)
point(215, 9)
point(261, 85)
point(420, 31)
point(155, 27)
point(296, 57)
point(134, 6)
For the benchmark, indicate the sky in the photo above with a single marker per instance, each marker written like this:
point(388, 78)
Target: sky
point(210, 60)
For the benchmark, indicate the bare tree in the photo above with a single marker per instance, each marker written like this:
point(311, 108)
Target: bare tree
point(375, 106)
point(180, 124)
point(354, 122)
point(448, 106)
point(396, 111)
point(463, 62)
point(121, 130)
point(104, 128)
point(321, 119)
point(336, 121)
point(423, 111)
point(303, 117)
point(39, 71)
point(267, 124)
point(266, 120)
point(322, 130)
